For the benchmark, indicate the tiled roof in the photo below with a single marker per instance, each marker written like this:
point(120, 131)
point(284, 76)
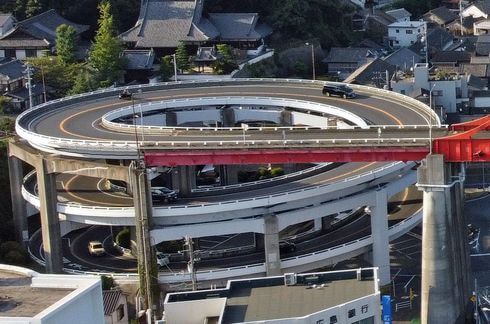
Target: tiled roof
point(4, 18)
point(364, 74)
point(483, 45)
point(233, 26)
point(451, 57)
point(347, 55)
point(24, 43)
point(398, 13)
point(403, 58)
point(11, 69)
point(111, 300)
point(166, 23)
point(484, 6)
point(443, 13)
point(139, 59)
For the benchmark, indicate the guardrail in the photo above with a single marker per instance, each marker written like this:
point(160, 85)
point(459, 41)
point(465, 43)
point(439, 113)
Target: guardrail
point(46, 142)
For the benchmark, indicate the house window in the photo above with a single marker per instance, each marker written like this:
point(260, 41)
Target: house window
point(10, 53)
point(418, 30)
point(31, 53)
point(120, 312)
point(397, 42)
point(333, 319)
point(351, 313)
point(397, 31)
point(409, 31)
point(411, 42)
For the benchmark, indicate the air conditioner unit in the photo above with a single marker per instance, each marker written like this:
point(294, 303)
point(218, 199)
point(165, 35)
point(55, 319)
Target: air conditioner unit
point(289, 279)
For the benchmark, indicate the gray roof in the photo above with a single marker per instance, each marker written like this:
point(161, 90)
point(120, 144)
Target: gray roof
point(166, 23)
point(398, 13)
point(111, 301)
point(483, 45)
point(11, 69)
point(484, 6)
point(365, 74)
point(348, 55)
point(206, 54)
point(139, 59)
point(237, 26)
point(442, 13)
point(451, 57)
point(476, 82)
point(4, 18)
point(403, 58)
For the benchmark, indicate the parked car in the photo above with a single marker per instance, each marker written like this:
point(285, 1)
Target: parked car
point(162, 259)
point(95, 248)
point(163, 194)
point(340, 90)
point(125, 94)
point(286, 246)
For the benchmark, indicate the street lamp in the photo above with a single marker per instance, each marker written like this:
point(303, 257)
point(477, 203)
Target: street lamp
point(425, 40)
point(312, 58)
point(175, 67)
point(430, 118)
point(29, 82)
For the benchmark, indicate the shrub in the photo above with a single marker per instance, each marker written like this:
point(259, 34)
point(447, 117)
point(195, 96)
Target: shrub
point(12, 252)
point(107, 282)
point(276, 172)
point(123, 238)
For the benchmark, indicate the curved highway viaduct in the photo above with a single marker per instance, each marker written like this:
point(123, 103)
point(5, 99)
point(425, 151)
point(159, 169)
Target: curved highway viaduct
point(63, 134)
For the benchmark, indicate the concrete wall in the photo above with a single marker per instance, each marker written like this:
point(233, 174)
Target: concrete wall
point(193, 312)
point(198, 116)
point(307, 119)
point(263, 115)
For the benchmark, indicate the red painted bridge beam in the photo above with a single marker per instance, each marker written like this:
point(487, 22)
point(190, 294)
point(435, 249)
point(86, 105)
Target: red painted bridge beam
point(463, 147)
point(259, 156)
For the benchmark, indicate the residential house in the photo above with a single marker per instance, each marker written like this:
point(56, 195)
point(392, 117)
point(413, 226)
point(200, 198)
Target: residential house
point(342, 61)
point(374, 73)
point(406, 33)
point(35, 36)
point(115, 307)
point(478, 9)
point(451, 4)
point(462, 27)
point(7, 22)
point(481, 27)
point(403, 59)
point(437, 39)
point(482, 50)
point(372, 3)
point(376, 24)
point(13, 84)
point(163, 24)
point(139, 65)
point(399, 15)
point(440, 16)
point(443, 59)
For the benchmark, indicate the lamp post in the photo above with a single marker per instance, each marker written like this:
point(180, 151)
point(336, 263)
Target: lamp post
point(175, 67)
point(29, 82)
point(430, 118)
point(426, 44)
point(44, 83)
point(312, 59)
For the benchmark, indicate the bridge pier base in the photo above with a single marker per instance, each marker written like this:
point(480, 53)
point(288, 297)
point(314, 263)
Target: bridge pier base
point(271, 243)
point(184, 179)
point(19, 206)
point(50, 224)
point(379, 230)
point(445, 279)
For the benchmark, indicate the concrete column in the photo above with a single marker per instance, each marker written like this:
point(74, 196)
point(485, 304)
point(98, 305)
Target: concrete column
point(442, 284)
point(271, 243)
point(228, 174)
point(184, 179)
point(317, 225)
point(19, 207)
point(379, 230)
point(50, 224)
point(143, 211)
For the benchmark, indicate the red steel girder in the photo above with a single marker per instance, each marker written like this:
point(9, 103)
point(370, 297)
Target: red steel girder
point(259, 156)
point(462, 147)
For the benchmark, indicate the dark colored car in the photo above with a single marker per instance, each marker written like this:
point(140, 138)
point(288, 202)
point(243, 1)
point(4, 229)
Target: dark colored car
point(163, 194)
point(340, 90)
point(125, 94)
point(286, 246)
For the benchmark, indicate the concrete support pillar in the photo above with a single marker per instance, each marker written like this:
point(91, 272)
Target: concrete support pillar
point(443, 266)
point(50, 224)
point(228, 174)
point(379, 230)
point(184, 179)
point(143, 210)
point(318, 224)
point(271, 243)
point(228, 116)
point(19, 207)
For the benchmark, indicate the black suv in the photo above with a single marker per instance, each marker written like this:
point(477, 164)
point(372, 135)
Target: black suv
point(340, 90)
point(163, 194)
point(125, 94)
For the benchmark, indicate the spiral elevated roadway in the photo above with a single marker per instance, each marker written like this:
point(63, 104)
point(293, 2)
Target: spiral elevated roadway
point(75, 127)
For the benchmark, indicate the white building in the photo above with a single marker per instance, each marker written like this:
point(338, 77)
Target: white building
point(29, 297)
point(405, 33)
point(348, 296)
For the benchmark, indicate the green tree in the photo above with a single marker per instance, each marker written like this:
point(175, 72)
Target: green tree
point(225, 63)
point(5, 104)
point(33, 7)
point(105, 53)
point(66, 43)
point(166, 68)
point(84, 82)
point(58, 77)
point(107, 282)
point(123, 238)
point(182, 57)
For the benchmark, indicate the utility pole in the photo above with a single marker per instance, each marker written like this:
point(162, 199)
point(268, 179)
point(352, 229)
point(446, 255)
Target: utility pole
point(175, 67)
point(190, 265)
point(29, 83)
